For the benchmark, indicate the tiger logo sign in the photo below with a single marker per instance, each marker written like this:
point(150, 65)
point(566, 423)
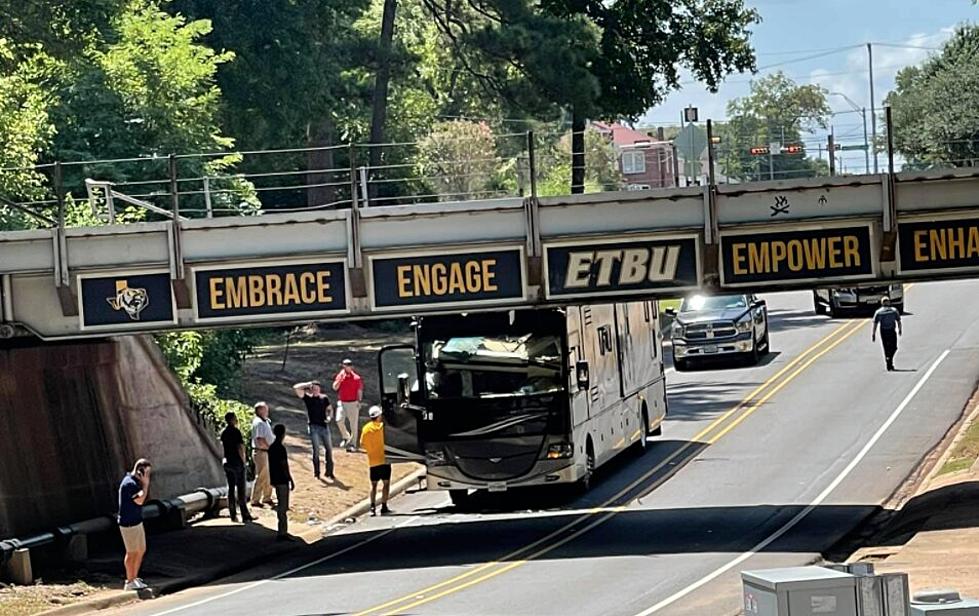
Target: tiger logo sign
point(129, 299)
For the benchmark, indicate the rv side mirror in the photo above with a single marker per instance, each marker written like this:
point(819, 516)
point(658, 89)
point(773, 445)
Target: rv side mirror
point(671, 312)
point(759, 303)
point(404, 389)
point(581, 374)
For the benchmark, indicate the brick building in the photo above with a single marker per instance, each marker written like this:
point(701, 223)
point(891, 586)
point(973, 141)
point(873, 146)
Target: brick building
point(645, 163)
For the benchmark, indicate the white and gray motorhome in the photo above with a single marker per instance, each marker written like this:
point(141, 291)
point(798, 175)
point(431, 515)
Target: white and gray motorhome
point(496, 400)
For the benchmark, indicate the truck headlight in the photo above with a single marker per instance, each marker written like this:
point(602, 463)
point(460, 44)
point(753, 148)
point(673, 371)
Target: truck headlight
point(744, 324)
point(556, 451)
point(436, 457)
point(677, 329)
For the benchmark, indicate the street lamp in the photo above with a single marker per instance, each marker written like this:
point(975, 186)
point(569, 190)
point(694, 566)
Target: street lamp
point(866, 141)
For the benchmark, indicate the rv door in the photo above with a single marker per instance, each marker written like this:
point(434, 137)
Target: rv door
point(399, 391)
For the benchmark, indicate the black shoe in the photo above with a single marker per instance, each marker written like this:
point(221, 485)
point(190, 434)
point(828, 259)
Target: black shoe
point(385, 510)
point(373, 511)
point(234, 519)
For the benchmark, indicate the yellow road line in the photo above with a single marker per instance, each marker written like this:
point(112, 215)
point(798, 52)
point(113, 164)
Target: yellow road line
point(419, 597)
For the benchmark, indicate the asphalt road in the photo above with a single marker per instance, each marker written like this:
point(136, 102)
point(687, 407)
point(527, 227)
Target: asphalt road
point(825, 437)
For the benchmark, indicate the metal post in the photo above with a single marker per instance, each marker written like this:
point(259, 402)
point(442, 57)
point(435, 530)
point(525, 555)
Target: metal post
point(710, 153)
point(676, 165)
point(532, 163)
point(873, 108)
point(831, 144)
point(890, 139)
point(364, 195)
point(174, 198)
point(771, 162)
point(207, 197)
point(866, 143)
point(59, 193)
point(353, 177)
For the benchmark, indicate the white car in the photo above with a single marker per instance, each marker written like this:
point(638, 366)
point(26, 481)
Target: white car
point(834, 300)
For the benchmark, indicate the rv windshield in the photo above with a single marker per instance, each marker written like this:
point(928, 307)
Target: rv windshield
point(493, 366)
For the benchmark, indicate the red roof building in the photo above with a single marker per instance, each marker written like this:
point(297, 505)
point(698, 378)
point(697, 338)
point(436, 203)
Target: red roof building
point(645, 162)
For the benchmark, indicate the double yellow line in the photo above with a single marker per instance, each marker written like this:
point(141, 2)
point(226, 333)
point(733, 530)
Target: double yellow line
point(598, 515)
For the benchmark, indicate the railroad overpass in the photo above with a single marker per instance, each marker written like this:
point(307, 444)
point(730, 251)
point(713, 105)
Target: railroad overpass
point(401, 260)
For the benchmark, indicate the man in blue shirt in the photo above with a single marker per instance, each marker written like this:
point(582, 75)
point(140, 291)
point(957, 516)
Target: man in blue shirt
point(889, 319)
point(132, 494)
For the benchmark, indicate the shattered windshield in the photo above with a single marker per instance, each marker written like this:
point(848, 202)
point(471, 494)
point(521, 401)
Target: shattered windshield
point(493, 366)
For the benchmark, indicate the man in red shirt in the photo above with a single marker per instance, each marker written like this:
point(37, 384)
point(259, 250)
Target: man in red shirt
point(350, 391)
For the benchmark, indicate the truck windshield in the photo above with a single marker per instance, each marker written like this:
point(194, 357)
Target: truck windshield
point(712, 302)
point(493, 366)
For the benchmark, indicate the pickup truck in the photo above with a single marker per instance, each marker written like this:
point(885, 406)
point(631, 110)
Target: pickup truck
point(835, 300)
point(710, 326)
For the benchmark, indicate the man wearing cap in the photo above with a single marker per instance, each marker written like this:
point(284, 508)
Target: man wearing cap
point(350, 391)
point(372, 441)
point(319, 412)
point(889, 319)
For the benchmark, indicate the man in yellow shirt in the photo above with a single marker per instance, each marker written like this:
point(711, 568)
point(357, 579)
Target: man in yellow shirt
point(372, 441)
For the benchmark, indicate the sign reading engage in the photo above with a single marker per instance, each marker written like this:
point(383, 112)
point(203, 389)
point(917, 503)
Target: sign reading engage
point(797, 255)
point(133, 300)
point(939, 245)
point(447, 279)
point(270, 290)
point(614, 268)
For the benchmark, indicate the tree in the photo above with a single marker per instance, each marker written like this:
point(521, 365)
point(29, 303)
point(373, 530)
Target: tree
point(602, 171)
point(600, 60)
point(459, 160)
point(776, 111)
point(934, 105)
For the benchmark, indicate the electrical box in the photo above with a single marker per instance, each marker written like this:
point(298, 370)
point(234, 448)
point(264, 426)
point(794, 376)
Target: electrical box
point(799, 591)
point(943, 603)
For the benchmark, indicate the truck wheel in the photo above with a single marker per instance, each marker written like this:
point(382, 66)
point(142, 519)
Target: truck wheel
point(834, 310)
point(754, 356)
point(818, 305)
point(460, 498)
point(766, 342)
point(680, 365)
point(639, 447)
point(584, 484)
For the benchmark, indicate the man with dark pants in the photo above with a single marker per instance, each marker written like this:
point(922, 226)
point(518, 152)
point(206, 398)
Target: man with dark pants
point(234, 468)
point(319, 412)
point(889, 319)
point(133, 489)
point(281, 480)
point(372, 441)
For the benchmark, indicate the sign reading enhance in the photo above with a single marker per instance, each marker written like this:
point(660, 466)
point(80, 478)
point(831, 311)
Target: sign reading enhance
point(938, 245)
point(474, 277)
point(797, 255)
point(126, 300)
point(611, 268)
point(247, 292)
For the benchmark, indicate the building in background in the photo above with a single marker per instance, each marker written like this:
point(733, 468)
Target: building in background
point(645, 162)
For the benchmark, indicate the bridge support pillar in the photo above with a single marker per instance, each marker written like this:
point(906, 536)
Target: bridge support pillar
point(18, 569)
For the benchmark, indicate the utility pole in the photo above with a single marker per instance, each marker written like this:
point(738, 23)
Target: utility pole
point(831, 145)
point(873, 106)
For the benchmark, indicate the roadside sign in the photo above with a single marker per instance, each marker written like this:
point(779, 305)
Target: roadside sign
point(126, 300)
point(939, 245)
point(690, 114)
point(261, 292)
point(848, 148)
point(473, 278)
point(622, 267)
point(796, 256)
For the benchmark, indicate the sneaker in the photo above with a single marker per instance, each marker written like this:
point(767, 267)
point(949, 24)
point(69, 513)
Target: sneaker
point(385, 510)
point(130, 586)
point(343, 443)
point(142, 585)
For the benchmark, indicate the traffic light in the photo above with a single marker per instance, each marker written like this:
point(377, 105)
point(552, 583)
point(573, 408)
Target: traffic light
point(793, 148)
point(759, 151)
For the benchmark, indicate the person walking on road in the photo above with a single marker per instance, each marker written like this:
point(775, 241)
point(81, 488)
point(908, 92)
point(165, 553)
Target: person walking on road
point(350, 391)
point(261, 440)
point(889, 319)
point(281, 480)
point(319, 412)
point(133, 489)
point(234, 468)
point(372, 441)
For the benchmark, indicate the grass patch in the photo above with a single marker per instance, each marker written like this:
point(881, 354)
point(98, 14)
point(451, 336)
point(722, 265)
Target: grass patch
point(669, 303)
point(965, 452)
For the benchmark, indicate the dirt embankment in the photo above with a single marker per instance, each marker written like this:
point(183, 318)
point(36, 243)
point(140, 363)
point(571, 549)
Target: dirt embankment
point(316, 353)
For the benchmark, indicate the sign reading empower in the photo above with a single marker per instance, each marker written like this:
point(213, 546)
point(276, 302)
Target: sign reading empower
point(270, 291)
point(610, 268)
point(938, 245)
point(797, 255)
point(447, 279)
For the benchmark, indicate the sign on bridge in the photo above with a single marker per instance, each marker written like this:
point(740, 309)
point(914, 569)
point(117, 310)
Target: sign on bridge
point(141, 300)
point(939, 245)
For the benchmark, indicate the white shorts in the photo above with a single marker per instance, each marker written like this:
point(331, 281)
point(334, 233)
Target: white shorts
point(133, 537)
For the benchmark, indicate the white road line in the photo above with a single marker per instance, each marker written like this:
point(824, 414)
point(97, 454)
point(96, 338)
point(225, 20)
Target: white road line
point(289, 572)
point(802, 514)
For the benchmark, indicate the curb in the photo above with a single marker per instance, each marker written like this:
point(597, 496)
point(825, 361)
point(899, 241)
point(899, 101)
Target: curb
point(310, 536)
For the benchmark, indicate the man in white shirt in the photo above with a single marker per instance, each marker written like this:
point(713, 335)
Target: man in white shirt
point(262, 437)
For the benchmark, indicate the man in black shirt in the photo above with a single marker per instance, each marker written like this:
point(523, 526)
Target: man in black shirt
point(234, 467)
point(320, 413)
point(281, 480)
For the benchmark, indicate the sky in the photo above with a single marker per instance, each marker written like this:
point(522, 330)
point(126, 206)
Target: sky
point(793, 31)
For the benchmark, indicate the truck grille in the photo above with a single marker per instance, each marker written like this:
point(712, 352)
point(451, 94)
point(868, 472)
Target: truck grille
point(719, 329)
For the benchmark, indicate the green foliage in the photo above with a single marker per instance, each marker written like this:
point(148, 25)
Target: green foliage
point(935, 106)
point(777, 110)
point(601, 166)
point(459, 158)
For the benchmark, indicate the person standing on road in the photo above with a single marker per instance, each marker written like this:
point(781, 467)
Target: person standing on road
point(234, 468)
point(889, 319)
point(350, 391)
point(133, 489)
point(261, 440)
point(319, 412)
point(281, 480)
point(372, 441)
